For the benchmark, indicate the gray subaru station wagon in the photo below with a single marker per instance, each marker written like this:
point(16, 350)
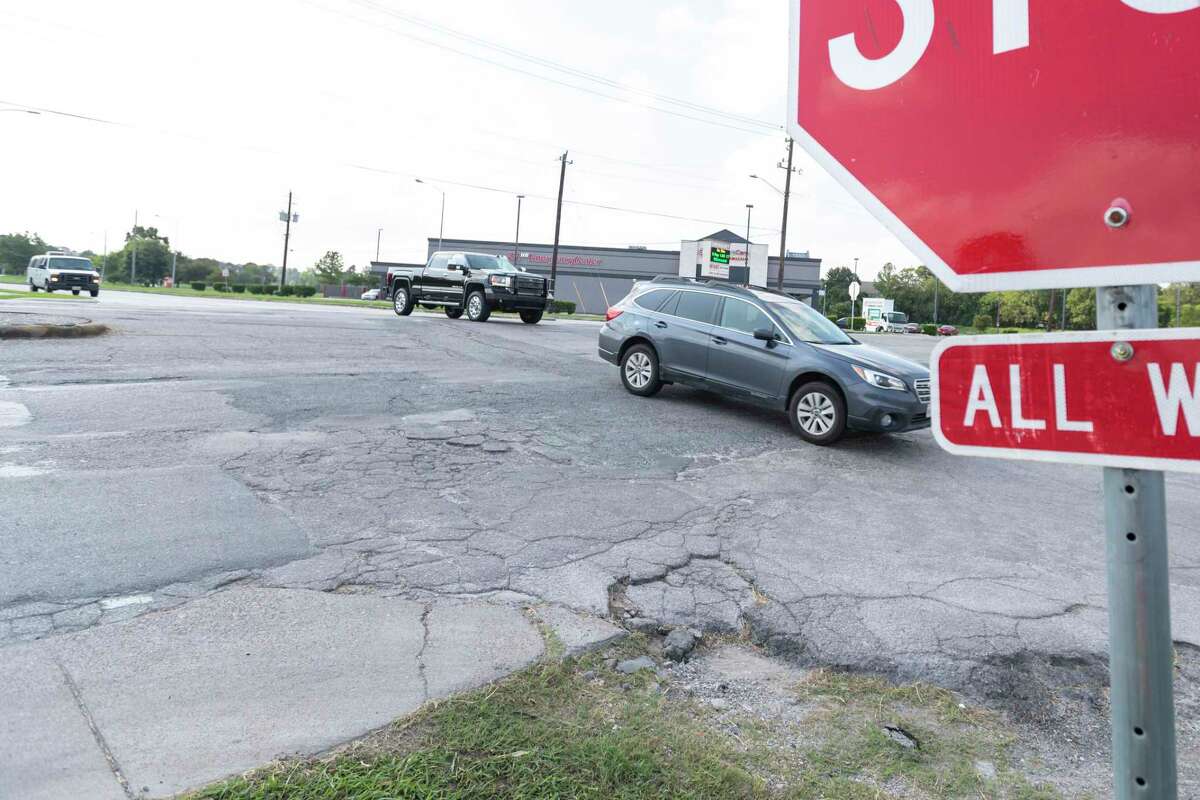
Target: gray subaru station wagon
point(765, 348)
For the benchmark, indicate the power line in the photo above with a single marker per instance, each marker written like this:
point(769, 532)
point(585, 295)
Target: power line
point(524, 56)
point(539, 76)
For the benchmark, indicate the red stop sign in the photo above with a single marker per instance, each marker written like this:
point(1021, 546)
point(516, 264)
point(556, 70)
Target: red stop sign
point(1012, 144)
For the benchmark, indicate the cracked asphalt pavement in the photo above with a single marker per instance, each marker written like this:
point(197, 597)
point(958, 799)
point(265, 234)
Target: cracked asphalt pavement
point(261, 466)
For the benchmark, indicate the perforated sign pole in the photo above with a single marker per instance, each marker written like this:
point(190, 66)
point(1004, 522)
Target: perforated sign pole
point(1141, 652)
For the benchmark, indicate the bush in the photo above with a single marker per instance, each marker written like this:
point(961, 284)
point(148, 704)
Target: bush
point(858, 324)
point(260, 288)
point(221, 287)
point(1012, 330)
point(929, 330)
point(305, 291)
point(285, 291)
point(238, 288)
point(982, 322)
point(199, 286)
point(562, 307)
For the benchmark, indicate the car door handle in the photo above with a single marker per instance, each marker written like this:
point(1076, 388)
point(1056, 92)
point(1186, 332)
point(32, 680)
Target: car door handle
point(720, 340)
point(661, 325)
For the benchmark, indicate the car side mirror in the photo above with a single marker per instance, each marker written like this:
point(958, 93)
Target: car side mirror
point(452, 267)
point(765, 335)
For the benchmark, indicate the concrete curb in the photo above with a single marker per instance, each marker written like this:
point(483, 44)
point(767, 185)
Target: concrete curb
point(52, 331)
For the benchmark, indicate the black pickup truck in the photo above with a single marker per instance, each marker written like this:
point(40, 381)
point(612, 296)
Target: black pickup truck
point(474, 283)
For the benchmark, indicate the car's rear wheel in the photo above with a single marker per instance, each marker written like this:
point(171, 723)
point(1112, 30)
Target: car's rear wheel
point(402, 301)
point(477, 307)
point(531, 317)
point(639, 371)
point(818, 413)
point(33, 286)
point(454, 313)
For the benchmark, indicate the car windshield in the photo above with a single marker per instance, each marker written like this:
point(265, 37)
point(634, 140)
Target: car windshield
point(71, 263)
point(806, 324)
point(497, 263)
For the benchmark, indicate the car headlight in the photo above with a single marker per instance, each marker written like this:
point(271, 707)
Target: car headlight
point(502, 280)
point(53, 277)
point(880, 379)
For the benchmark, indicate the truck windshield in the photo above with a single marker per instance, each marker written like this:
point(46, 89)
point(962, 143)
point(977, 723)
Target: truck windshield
point(497, 263)
point(897, 317)
point(806, 324)
point(71, 263)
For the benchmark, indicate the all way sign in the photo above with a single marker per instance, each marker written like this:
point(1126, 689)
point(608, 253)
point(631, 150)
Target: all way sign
point(1128, 398)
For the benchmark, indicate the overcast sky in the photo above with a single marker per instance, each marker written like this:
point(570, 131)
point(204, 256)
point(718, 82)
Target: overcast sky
point(221, 107)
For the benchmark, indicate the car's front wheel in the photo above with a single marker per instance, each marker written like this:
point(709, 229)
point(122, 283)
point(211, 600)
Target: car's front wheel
point(477, 308)
point(639, 371)
point(402, 301)
point(94, 292)
point(531, 317)
point(818, 413)
point(33, 286)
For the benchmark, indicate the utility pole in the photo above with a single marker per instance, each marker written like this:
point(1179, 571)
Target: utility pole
point(562, 183)
point(287, 237)
point(787, 196)
point(749, 211)
point(517, 238)
point(133, 265)
point(174, 262)
point(937, 285)
point(378, 242)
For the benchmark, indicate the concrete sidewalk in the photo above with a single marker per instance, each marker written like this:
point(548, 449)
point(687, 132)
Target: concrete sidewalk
point(175, 700)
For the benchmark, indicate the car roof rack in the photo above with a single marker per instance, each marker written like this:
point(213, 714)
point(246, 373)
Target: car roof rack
point(676, 279)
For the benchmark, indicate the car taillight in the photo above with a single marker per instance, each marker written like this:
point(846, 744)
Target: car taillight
point(389, 279)
point(613, 313)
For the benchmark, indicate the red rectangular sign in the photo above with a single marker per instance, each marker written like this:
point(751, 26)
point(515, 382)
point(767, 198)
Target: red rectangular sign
point(1110, 398)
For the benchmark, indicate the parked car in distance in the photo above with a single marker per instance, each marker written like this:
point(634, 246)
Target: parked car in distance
point(54, 271)
point(472, 283)
point(765, 348)
point(370, 294)
point(947, 330)
point(912, 327)
point(843, 323)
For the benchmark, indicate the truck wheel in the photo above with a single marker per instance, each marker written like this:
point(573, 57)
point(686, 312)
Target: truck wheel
point(454, 313)
point(639, 371)
point(477, 307)
point(531, 317)
point(402, 301)
point(818, 413)
point(95, 292)
point(33, 286)
point(75, 292)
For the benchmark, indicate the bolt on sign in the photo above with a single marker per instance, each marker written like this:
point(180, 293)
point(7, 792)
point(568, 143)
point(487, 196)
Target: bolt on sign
point(1011, 144)
point(1128, 398)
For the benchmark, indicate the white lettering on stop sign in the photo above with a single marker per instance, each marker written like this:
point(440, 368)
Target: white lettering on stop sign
point(1010, 31)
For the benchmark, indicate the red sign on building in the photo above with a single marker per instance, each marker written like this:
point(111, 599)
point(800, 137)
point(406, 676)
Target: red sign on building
point(1011, 144)
point(1110, 398)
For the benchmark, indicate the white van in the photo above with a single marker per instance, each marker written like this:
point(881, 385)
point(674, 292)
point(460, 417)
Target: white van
point(63, 271)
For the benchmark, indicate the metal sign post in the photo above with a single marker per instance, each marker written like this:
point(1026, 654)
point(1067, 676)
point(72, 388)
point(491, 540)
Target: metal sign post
point(1141, 652)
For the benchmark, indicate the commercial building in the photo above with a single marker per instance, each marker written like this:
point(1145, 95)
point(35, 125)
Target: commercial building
point(596, 277)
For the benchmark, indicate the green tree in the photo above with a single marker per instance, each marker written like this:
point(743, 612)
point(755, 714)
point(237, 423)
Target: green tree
point(837, 291)
point(329, 268)
point(1081, 309)
point(16, 249)
point(1017, 309)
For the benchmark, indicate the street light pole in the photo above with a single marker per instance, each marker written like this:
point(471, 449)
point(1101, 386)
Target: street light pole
point(287, 238)
point(517, 238)
point(442, 224)
point(378, 242)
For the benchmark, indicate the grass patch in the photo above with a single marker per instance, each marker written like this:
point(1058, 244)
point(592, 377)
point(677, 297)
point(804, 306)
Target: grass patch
point(12, 279)
point(8, 295)
point(546, 733)
point(859, 758)
point(566, 729)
